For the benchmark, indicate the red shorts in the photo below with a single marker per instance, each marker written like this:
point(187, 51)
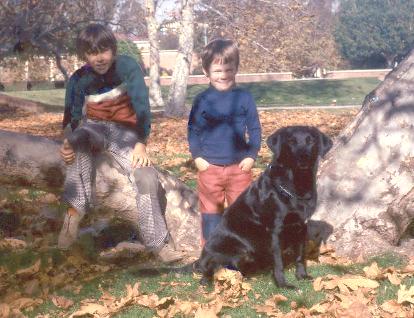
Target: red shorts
point(220, 184)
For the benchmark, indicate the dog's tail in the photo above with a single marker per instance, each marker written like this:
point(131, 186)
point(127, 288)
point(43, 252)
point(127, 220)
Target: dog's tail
point(189, 268)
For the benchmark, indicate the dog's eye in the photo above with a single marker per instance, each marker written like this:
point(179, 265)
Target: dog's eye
point(309, 140)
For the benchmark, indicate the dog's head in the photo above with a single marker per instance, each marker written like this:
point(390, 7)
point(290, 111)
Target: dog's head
point(298, 146)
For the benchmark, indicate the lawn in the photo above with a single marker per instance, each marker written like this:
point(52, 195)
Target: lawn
point(289, 93)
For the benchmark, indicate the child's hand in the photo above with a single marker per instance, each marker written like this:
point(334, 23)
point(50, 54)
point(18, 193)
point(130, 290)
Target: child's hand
point(67, 153)
point(140, 157)
point(246, 164)
point(201, 164)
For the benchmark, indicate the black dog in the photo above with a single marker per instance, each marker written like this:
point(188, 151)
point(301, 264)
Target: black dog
point(270, 215)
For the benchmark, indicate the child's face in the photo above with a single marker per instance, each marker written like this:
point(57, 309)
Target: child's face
point(222, 76)
point(101, 61)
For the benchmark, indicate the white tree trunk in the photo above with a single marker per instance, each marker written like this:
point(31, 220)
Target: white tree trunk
point(155, 95)
point(176, 98)
point(366, 184)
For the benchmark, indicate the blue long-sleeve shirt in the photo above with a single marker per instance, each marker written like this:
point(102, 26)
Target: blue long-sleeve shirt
point(218, 125)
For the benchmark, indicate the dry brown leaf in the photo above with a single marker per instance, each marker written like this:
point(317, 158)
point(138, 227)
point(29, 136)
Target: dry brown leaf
point(62, 302)
point(320, 308)
point(275, 299)
point(229, 286)
point(393, 278)
point(409, 269)
point(270, 311)
point(391, 306)
point(93, 309)
point(174, 284)
point(317, 283)
point(358, 281)
point(205, 313)
point(356, 309)
point(12, 244)
point(4, 310)
point(25, 302)
point(373, 271)
point(48, 198)
point(29, 271)
point(405, 295)
point(344, 284)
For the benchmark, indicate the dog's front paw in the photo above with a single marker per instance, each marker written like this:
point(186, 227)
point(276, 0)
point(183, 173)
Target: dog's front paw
point(304, 276)
point(301, 273)
point(205, 281)
point(281, 281)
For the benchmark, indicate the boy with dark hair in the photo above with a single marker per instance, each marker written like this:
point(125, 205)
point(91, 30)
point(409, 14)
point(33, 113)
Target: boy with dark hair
point(107, 110)
point(220, 119)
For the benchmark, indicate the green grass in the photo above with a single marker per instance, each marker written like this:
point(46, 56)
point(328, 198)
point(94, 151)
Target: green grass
point(262, 284)
point(289, 93)
point(305, 92)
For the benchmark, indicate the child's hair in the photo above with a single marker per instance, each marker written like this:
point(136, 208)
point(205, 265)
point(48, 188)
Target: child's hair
point(95, 38)
point(222, 51)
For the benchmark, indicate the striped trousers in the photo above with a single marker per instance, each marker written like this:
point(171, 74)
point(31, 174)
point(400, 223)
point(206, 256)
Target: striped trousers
point(95, 137)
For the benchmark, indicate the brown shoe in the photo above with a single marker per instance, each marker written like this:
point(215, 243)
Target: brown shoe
point(69, 232)
point(167, 254)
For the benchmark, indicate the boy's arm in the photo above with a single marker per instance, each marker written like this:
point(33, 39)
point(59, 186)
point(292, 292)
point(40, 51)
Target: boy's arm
point(74, 100)
point(194, 129)
point(69, 101)
point(138, 92)
point(254, 130)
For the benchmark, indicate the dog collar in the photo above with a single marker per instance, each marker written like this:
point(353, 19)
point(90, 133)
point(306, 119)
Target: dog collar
point(285, 191)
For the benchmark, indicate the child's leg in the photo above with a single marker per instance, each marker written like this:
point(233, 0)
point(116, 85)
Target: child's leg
point(237, 182)
point(149, 218)
point(79, 180)
point(211, 199)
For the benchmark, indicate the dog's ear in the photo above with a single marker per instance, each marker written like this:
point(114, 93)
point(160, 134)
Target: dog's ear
point(325, 144)
point(274, 143)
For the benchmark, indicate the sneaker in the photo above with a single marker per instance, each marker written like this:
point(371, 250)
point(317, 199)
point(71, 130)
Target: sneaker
point(168, 254)
point(69, 232)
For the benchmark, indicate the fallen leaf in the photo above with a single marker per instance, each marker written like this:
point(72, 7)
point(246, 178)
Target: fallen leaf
point(4, 310)
point(62, 302)
point(29, 271)
point(24, 303)
point(405, 295)
point(358, 281)
point(391, 306)
point(393, 278)
point(372, 271)
point(12, 244)
point(96, 310)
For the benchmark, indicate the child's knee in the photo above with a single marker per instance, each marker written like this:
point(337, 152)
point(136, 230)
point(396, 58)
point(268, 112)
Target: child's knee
point(146, 179)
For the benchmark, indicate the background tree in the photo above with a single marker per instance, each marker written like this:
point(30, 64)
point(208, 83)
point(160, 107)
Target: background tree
point(175, 105)
point(272, 35)
point(127, 47)
point(374, 33)
point(47, 28)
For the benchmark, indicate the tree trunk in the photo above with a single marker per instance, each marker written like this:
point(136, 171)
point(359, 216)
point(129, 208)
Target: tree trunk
point(176, 98)
point(20, 103)
point(155, 95)
point(366, 184)
point(33, 160)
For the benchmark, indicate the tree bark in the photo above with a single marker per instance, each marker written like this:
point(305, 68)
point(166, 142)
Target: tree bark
point(176, 98)
point(155, 95)
point(20, 103)
point(366, 183)
point(33, 160)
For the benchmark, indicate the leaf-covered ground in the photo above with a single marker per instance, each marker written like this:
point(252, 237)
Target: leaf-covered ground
point(37, 280)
